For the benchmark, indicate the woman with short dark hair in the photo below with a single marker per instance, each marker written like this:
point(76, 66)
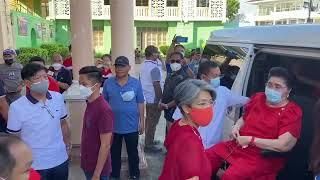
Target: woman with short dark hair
point(271, 122)
point(186, 158)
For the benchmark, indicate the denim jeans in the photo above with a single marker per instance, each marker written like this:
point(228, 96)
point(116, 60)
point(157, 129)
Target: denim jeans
point(60, 172)
point(89, 176)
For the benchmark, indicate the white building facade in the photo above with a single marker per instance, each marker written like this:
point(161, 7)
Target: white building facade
point(277, 12)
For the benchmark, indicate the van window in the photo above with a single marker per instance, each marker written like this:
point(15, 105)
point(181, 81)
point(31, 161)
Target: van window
point(230, 59)
point(305, 93)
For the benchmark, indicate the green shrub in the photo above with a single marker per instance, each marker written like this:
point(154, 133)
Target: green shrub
point(27, 53)
point(164, 49)
point(55, 48)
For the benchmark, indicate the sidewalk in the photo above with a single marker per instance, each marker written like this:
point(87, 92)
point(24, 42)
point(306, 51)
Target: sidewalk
point(154, 161)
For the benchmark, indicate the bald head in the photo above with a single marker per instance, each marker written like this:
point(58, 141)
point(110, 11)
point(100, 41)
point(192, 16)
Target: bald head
point(15, 158)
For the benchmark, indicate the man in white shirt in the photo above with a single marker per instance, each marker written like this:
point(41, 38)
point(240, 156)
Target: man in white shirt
point(212, 134)
point(39, 118)
point(151, 81)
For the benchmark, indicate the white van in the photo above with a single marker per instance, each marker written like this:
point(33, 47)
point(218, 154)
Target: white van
point(295, 47)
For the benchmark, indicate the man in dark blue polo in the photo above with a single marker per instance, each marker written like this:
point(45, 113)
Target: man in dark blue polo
point(125, 96)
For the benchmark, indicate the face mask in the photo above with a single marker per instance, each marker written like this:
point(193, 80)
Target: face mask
point(128, 96)
point(273, 96)
point(201, 116)
point(8, 61)
point(100, 66)
point(86, 91)
point(40, 87)
point(57, 66)
point(175, 66)
point(215, 82)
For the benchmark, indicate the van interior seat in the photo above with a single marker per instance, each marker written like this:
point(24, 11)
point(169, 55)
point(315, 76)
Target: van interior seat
point(298, 157)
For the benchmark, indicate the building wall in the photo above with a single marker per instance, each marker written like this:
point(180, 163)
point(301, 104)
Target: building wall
point(197, 32)
point(43, 29)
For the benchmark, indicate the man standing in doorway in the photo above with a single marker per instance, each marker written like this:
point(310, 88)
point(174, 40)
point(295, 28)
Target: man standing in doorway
point(150, 78)
point(10, 74)
point(125, 96)
point(39, 118)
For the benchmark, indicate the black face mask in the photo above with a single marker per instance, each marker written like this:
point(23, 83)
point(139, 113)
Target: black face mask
point(8, 61)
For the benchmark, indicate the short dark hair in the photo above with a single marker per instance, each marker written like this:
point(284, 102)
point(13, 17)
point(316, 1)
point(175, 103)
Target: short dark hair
point(150, 50)
point(93, 73)
point(7, 160)
point(37, 59)
point(204, 67)
point(176, 53)
point(106, 55)
point(283, 73)
point(30, 70)
point(179, 45)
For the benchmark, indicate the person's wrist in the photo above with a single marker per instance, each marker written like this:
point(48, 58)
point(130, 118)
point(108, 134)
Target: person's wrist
point(252, 139)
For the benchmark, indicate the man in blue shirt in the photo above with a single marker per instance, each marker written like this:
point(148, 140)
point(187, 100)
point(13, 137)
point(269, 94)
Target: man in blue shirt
point(125, 96)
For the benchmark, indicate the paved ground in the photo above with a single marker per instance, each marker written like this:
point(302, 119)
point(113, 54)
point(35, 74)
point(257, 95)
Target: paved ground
point(154, 161)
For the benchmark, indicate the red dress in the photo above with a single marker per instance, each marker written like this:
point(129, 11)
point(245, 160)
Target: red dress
point(186, 156)
point(260, 121)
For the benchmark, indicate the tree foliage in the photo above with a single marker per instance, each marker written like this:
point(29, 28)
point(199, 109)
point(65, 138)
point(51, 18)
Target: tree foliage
point(233, 7)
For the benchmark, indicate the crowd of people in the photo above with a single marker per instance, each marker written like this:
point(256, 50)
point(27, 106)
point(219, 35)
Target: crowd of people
point(191, 96)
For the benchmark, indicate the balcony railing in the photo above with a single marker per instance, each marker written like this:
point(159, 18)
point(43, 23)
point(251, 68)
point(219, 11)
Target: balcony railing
point(215, 12)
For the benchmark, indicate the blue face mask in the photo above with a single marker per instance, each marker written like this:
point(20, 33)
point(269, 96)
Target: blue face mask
point(215, 82)
point(273, 96)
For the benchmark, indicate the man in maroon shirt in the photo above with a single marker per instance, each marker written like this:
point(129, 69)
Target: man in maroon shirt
point(97, 126)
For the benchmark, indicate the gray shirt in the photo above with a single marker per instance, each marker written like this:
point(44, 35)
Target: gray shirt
point(11, 77)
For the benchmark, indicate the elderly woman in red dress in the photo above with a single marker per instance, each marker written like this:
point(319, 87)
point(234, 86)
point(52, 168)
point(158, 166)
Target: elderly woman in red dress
point(186, 158)
point(271, 122)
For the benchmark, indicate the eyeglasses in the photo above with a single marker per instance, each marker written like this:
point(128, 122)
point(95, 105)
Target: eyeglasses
point(175, 61)
point(48, 110)
point(275, 86)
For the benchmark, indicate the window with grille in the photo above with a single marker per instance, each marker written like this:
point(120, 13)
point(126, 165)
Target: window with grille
point(203, 3)
point(156, 36)
point(172, 3)
point(44, 9)
point(142, 2)
point(98, 36)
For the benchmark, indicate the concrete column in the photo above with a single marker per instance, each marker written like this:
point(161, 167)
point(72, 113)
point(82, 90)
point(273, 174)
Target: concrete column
point(6, 37)
point(81, 35)
point(122, 30)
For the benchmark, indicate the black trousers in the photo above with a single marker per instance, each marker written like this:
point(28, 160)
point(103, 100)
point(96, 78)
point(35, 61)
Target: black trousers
point(131, 141)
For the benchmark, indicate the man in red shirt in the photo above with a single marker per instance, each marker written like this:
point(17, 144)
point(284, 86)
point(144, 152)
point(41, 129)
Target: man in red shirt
point(97, 126)
point(67, 63)
point(53, 84)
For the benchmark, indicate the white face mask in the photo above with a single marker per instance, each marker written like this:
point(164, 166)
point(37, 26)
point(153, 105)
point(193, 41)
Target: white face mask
point(128, 96)
point(86, 91)
point(175, 66)
point(57, 66)
point(100, 66)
